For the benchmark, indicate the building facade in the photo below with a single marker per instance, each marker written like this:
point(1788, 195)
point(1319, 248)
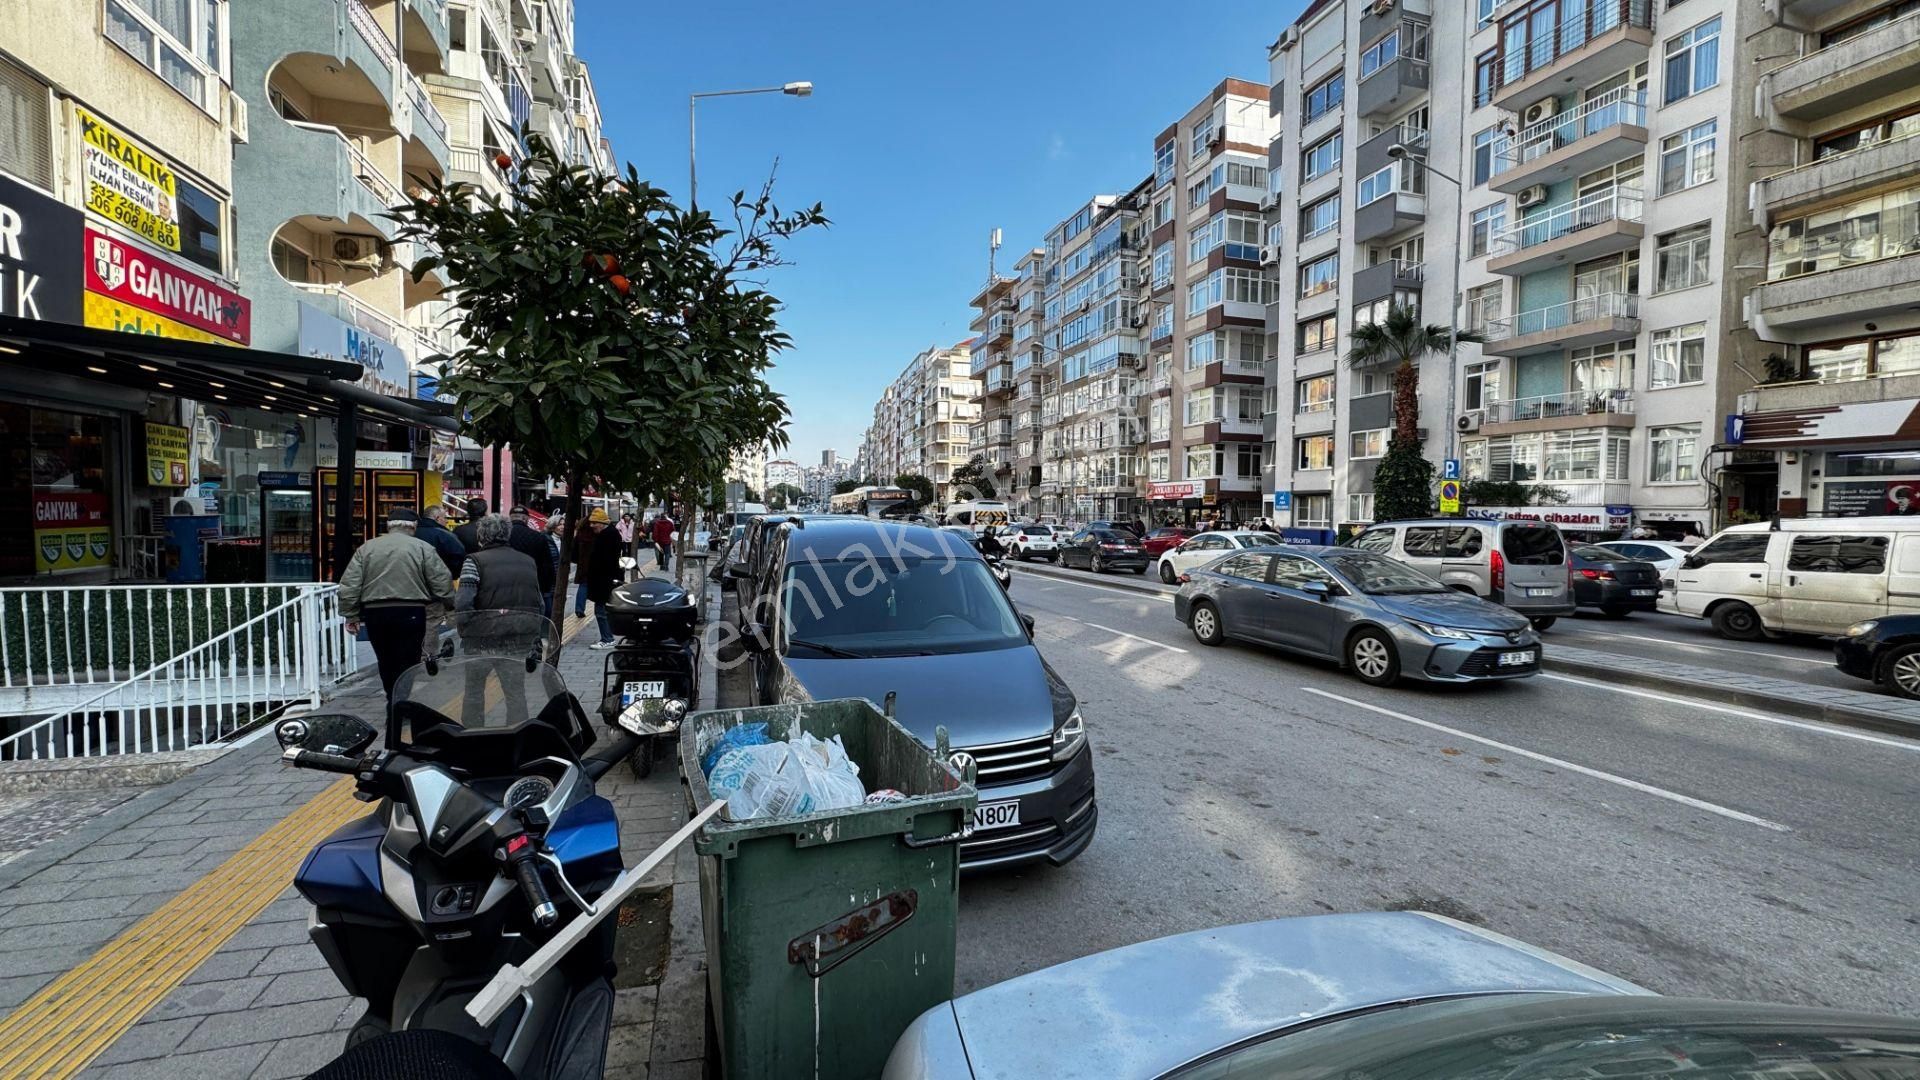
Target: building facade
point(922, 421)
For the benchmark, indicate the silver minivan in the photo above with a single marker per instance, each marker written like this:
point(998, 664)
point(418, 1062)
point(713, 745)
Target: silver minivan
point(1521, 564)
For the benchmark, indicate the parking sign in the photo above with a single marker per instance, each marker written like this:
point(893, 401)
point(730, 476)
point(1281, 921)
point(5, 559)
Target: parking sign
point(1450, 469)
point(1449, 496)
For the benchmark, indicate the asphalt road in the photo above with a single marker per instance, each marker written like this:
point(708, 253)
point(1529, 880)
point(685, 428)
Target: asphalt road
point(1694, 848)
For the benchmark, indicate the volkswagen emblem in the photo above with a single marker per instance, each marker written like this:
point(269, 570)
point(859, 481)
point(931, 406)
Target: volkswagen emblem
point(961, 762)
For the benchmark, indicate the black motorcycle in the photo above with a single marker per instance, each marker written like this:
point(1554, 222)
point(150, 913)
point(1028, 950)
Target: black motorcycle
point(651, 677)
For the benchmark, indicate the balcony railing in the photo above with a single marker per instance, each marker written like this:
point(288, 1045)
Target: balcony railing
point(1614, 305)
point(1569, 36)
point(1626, 105)
point(370, 30)
point(364, 169)
point(1549, 406)
point(1617, 204)
point(423, 105)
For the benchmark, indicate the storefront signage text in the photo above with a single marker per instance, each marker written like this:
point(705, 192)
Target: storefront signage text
point(323, 335)
point(1583, 518)
point(39, 255)
point(1172, 492)
point(131, 276)
point(128, 185)
point(167, 450)
point(70, 531)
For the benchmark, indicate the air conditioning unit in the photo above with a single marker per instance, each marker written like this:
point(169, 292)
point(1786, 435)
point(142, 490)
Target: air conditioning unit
point(1290, 38)
point(1132, 360)
point(1381, 7)
point(359, 252)
point(1269, 254)
point(1544, 109)
point(1532, 196)
point(1269, 201)
point(237, 116)
point(1469, 422)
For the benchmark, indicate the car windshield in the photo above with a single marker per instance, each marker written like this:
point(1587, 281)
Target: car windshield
point(1377, 575)
point(896, 607)
point(1109, 536)
point(1036, 530)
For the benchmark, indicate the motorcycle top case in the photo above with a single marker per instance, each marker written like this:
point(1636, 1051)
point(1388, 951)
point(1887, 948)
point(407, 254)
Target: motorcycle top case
point(651, 609)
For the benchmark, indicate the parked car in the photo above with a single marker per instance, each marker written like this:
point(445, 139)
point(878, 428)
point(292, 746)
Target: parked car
point(1519, 564)
point(1167, 536)
point(1800, 576)
point(1032, 542)
point(1206, 547)
point(1665, 555)
point(1618, 586)
point(850, 609)
point(1376, 994)
point(1378, 617)
point(1117, 526)
point(1885, 651)
point(1100, 549)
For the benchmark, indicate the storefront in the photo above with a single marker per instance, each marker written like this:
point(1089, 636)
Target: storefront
point(1184, 502)
point(1591, 523)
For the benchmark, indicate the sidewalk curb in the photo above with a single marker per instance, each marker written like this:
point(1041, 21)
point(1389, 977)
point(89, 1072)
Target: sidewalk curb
point(1131, 583)
point(1846, 716)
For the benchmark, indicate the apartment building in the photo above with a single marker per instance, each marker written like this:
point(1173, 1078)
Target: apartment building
point(923, 420)
point(1207, 311)
point(990, 366)
point(782, 471)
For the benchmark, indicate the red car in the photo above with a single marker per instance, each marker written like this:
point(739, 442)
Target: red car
point(1161, 540)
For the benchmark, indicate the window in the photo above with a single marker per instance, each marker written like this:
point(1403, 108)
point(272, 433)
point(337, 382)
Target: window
point(1482, 224)
point(1863, 230)
point(1673, 451)
point(202, 225)
point(1320, 275)
point(1378, 541)
point(1679, 355)
point(1313, 511)
point(1442, 541)
point(457, 30)
point(292, 263)
point(1483, 155)
point(1249, 565)
point(1321, 158)
point(1377, 186)
point(1163, 266)
point(1312, 335)
point(1236, 233)
point(1897, 125)
point(1320, 217)
point(1229, 284)
point(1482, 384)
point(1680, 258)
point(182, 41)
point(1247, 460)
point(1367, 444)
point(1297, 571)
point(1203, 132)
point(1837, 555)
point(1323, 97)
point(1372, 381)
point(26, 127)
point(1314, 395)
point(1486, 8)
point(1360, 509)
point(1157, 461)
point(1162, 210)
point(1693, 61)
point(1732, 548)
point(1686, 159)
point(1313, 452)
point(1838, 361)
point(1163, 164)
point(1376, 311)
point(1380, 54)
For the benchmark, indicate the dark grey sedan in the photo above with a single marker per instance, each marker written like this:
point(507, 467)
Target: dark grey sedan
point(1378, 617)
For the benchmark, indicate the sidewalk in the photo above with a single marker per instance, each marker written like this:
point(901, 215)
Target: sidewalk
point(256, 1000)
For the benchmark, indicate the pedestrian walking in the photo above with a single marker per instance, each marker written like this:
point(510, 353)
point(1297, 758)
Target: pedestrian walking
point(466, 534)
point(603, 576)
point(502, 586)
point(583, 559)
point(527, 540)
point(387, 587)
point(433, 529)
point(663, 539)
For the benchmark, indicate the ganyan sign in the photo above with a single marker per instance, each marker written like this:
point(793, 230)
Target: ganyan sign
point(127, 184)
point(39, 255)
point(122, 272)
point(70, 531)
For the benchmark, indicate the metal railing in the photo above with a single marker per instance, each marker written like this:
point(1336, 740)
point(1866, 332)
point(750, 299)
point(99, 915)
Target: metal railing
point(364, 169)
point(372, 33)
point(1568, 36)
point(423, 105)
point(358, 311)
point(1549, 406)
point(1624, 105)
point(1616, 204)
point(1613, 305)
point(214, 679)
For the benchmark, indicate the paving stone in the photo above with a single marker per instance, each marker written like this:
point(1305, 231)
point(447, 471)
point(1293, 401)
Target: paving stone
point(89, 909)
point(108, 853)
point(206, 999)
point(268, 935)
point(148, 1039)
point(142, 867)
point(170, 884)
point(297, 986)
point(34, 891)
point(54, 958)
point(291, 1058)
point(680, 1020)
point(230, 1063)
point(15, 989)
point(629, 1046)
point(86, 931)
point(282, 959)
point(675, 1070)
point(259, 1025)
point(226, 964)
point(634, 1005)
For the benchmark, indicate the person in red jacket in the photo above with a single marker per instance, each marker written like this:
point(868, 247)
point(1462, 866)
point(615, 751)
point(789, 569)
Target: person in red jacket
point(663, 539)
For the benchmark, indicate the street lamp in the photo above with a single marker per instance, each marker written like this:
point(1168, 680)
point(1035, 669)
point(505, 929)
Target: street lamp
point(1403, 152)
point(792, 89)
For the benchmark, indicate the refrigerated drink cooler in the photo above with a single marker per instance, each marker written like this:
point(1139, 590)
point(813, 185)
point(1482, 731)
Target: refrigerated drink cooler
point(288, 525)
point(389, 488)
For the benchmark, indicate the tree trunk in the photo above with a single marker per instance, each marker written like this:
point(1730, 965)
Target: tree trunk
point(1406, 402)
point(569, 538)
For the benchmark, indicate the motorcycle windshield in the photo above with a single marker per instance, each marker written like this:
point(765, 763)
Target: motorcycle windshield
point(483, 670)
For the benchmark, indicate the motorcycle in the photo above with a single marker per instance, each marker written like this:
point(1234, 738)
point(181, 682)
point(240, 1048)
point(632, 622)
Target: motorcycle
point(486, 832)
point(650, 679)
point(1001, 572)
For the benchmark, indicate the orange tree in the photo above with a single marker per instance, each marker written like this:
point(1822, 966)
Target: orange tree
point(610, 335)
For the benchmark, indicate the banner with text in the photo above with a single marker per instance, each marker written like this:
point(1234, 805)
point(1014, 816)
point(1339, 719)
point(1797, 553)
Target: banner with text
point(133, 277)
point(127, 184)
point(70, 531)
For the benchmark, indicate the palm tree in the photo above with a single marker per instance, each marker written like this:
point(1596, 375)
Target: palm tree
point(1400, 339)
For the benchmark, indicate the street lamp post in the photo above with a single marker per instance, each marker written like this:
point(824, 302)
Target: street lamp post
point(793, 89)
point(1402, 152)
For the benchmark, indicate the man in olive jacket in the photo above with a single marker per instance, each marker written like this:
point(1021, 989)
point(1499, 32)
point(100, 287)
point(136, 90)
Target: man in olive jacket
point(387, 586)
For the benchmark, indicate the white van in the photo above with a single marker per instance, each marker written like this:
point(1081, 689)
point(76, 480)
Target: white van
point(980, 514)
point(1800, 576)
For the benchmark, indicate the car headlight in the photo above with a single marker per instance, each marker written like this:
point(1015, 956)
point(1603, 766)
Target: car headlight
point(1446, 632)
point(1070, 736)
point(1860, 628)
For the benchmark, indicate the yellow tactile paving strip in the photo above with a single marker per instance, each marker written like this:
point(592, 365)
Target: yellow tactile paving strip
point(59, 1030)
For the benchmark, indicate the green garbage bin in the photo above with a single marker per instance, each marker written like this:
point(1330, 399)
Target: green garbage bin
point(828, 933)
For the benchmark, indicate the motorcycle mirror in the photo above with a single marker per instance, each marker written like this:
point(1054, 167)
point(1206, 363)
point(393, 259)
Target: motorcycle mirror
point(533, 661)
point(332, 733)
point(1026, 620)
point(628, 562)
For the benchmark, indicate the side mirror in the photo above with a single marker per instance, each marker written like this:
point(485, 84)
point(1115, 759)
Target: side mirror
point(738, 572)
point(331, 733)
point(1319, 590)
point(1026, 620)
point(755, 637)
point(1691, 562)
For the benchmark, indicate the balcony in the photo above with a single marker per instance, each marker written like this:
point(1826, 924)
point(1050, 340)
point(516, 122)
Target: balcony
point(355, 186)
point(1801, 14)
point(426, 23)
point(1799, 397)
point(999, 378)
point(371, 48)
point(1564, 145)
point(1378, 19)
point(1785, 194)
point(1590, 320)
point(1313, 421)
point(999, 326)
point(1384, 279)
point(1606, 37)
point(1586, 228)
point(1372, 155)
point(1813, 306)
point(1843, 76)
point(1557, 412)
point(1393, 85)
point(1387, 215)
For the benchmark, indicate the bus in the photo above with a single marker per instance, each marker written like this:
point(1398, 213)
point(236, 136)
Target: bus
point(979, 514)
point(871, 501)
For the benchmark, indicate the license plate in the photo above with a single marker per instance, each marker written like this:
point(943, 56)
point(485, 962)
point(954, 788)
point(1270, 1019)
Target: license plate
point(1516, 659)
point(996, 815)
point(1646, 592)
point(642, 691)
point(1542, 592)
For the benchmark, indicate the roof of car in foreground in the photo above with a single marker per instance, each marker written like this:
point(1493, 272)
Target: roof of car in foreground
point(832, 538)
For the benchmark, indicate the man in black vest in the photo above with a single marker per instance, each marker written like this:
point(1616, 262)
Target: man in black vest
point(500, 589)
point(468, 534)
point(534, 543)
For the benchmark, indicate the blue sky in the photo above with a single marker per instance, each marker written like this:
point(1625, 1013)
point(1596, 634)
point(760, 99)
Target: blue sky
point(932, 123)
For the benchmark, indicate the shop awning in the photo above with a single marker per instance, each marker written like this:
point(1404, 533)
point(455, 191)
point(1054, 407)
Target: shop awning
point(251, 378)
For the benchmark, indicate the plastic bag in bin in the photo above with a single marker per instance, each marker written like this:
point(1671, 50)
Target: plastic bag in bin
point(803, 775)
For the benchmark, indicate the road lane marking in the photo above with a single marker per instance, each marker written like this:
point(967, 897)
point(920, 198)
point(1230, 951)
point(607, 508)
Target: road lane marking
point(1716, 648)
point(1124, 634)
point(1102, 586)
point(1822, 729)
point(1611, 778)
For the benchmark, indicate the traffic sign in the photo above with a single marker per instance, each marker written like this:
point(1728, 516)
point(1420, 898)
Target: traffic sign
point(1283, 500)
point(1450, 469)
point(1449, 496)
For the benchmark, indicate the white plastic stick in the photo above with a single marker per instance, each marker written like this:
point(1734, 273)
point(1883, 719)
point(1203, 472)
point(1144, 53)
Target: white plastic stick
point(513, 980)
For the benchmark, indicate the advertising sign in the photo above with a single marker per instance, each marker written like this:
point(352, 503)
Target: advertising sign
point(39, 255)
point(323, 335)
point(126, 184)
point(1579, 518)
point(123, 272)
point(1864, 498)
point(167, 455)
point(106, 313)
point(1174, 491)
point(70, 531)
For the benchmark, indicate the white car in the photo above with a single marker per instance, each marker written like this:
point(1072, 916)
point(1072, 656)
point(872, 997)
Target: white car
point(1665, 555)
point(1203, 548)
point(1031, 542)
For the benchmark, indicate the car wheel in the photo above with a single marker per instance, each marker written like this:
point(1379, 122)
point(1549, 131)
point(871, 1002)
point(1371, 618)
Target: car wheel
point(1372, 658)
point(1900, 671)
point(1096, 565)
point(1207, 627)
point(1166, 573)
point(1544, 623)
point(1737, 622)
